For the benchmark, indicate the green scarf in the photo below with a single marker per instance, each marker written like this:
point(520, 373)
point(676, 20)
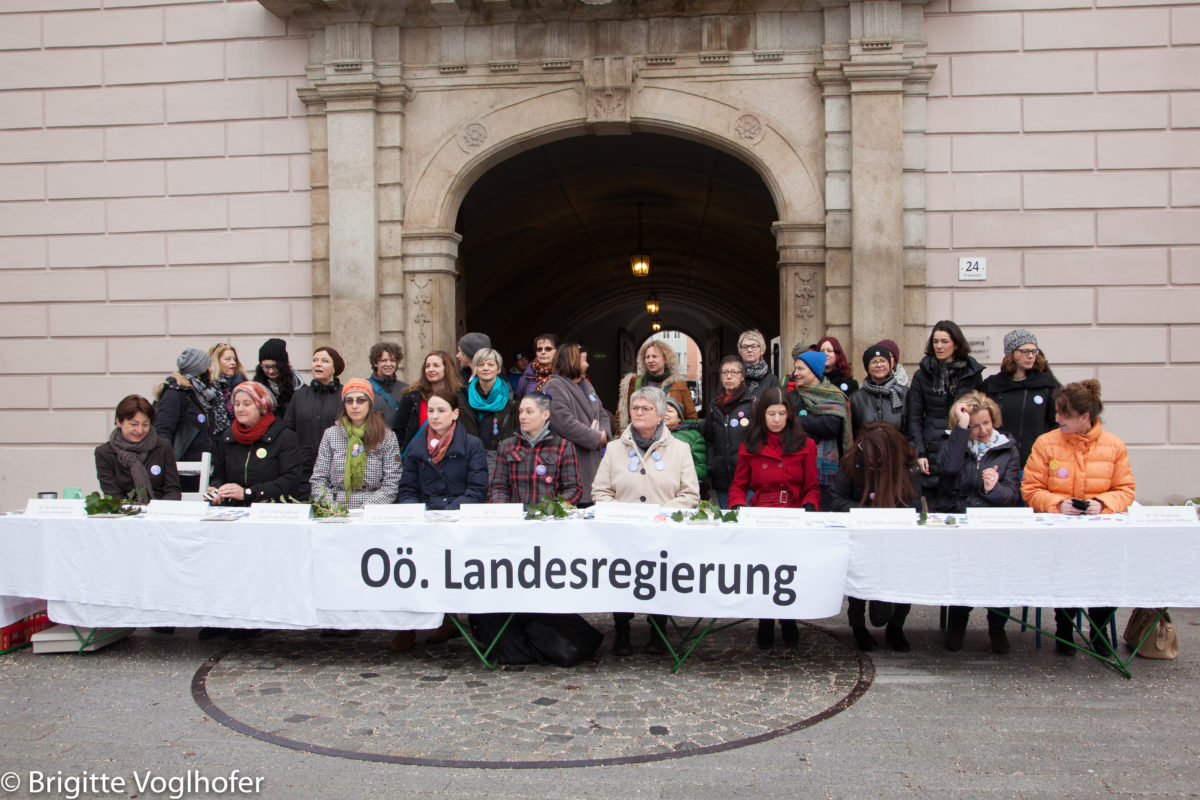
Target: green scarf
point(356, 456)
point(825, 398)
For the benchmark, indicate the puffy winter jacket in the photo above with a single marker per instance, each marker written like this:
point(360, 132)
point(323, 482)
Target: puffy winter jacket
point(724, 434)
point(271, 468)
point(688, 432)
point(960, 475)
point(1087, 466)
point(182, 420)
point(866, 406)
point(1027, 407)
point(462, 477)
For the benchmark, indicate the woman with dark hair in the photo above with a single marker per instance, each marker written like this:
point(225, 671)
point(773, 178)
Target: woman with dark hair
point(184, 415)
point(445, 467)
point(358, 462)
point(778, 464)
point(726, 425)
point(752, 349)
point(545, 349)
point(876, 473)
point(275, 372)
point(385, 358)
point(577, 415)
point(824, 413)
point(135, 459)
point(947, 371)
point(316, 406)
point(225, 371)
point(1024, 390)
point(1080, 468)
point(489, 410)
point(881, 396)
point(437, 372)
point(837, 368)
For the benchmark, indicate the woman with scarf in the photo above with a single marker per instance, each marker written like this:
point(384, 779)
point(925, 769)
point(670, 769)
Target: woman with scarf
point(726, 425)
point(185, 410)
point(947, 371)
point(358, 462)
point(837, 368)
point(536, 375)
point(977, 466)
point(225, 371)
point(657, 368)
point(316, 406)
point(135, 459)
point(275, 372)
point(534, 465)
point(258, 459)
point(881, 397)
point(437, 372)
point(647, 465)
point(876, 473)
point(824, 414)
point(777, 465)
point(489, 411)
point(576, 414)
point(385, 358)
point(752, 348)
point(1024, 389)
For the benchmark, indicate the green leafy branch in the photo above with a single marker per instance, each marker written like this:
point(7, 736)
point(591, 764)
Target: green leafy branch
point(96, 503)
point(557, 507)
point(706, 512)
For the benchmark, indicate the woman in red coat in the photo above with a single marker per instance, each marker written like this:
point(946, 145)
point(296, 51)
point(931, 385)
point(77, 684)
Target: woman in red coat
point(776, 466)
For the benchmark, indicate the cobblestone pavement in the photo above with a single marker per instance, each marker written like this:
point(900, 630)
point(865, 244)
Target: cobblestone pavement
point(1031, 724)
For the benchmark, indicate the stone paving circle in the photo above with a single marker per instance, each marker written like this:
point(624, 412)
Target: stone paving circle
point(438, 705)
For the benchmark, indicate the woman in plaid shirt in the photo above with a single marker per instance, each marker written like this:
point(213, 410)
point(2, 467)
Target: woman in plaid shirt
point(534, 464)
point(358, 462)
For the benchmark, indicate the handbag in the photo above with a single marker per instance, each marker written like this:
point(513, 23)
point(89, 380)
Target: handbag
point(1162, 642)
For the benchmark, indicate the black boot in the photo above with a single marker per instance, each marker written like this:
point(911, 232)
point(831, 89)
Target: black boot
point(766, 634)
point(996, 634)
point(894, 632)
point(621, 646)
point(1063, 629)
point(956, 627)
point(655, 645)
point(863, 638)
point(856, 613)
point(791, 634)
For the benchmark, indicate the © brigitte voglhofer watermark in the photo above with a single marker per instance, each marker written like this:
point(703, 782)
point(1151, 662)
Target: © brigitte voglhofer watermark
point(141, 783)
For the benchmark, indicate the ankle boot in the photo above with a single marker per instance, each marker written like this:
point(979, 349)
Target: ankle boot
point(791, 634)
point(955, 632)
point(894, 634)
point(863, 638)
point(444, 632)
point(1063, 629)
point(402, 641)
point(621, 646)
point(766, 634)
point(999, 639)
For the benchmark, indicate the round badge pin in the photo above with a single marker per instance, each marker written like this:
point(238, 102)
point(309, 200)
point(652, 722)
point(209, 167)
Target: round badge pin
point(592, 397)
point(156, 470)
point(1062, 472)
point(745, 422)
point(657, 456)
point(660, 466)
point(261, 452)
point(733, 423)
point(845, 387)
point(201, 418)
point(741, 413)
point(540, 469)
point(549, 480)
point(632, 453)
point(633, 467)
point(1037, 398)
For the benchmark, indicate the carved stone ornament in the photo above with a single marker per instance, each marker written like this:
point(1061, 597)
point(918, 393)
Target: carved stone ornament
point(472, 137)
point(422, 312)
point(806, 296)
point(748, 129)
point(609, 80)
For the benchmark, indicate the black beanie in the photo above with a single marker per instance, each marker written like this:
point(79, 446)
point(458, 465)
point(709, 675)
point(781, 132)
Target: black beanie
point(875, 350)
point(273, 350)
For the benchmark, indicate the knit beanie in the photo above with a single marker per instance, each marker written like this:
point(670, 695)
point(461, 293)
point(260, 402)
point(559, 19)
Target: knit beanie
point(873, 351)
point(815, 361)
point(273, 350)
point(800, 347)
point(358, 385)
point(1016, 338)
point(258, 393)
point(892, 348)
point(678, 406)
point(339, 363)
point(473, 342)
point(193, 363)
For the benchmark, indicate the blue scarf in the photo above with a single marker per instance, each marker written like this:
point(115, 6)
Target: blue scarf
point(979, 449)
point(495, 400)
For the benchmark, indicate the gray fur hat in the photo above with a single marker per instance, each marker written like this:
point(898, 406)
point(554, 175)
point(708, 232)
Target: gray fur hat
point(1015, 338)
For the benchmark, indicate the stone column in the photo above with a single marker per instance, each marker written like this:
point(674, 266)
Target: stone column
point(429, 276)
point(801, 285)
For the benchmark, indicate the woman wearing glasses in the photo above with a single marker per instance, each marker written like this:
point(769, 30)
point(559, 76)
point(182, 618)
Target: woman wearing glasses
point(753, 350)
point(275, 372)
point(726, 425)
point(1024, 390)
point(545, 348)
point(358, 462)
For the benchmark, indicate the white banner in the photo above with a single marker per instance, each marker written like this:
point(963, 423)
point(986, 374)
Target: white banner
point(562, 566)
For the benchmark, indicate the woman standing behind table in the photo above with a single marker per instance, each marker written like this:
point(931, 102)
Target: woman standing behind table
point(877, 473)
point(489, 410)
point(225, 371)
point(385, 358)
point(358, 462)
point(316, 406)
point(437, 372)
point(258, 458)
point(825, 414)
point(881, 397)
point(1024, 390)
point(752, 348)
point(545, 350)
point(1078, 469)
point(576, 414)
point(778, 463)
point(978, 466)
point(947, 371)
point(185, 410)
point(837, 368)
point(275, 372)
point(726, 425)
point(135, 459)
point(656, 367)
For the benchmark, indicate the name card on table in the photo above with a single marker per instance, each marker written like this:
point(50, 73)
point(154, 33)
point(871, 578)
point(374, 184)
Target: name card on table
point(55, 509)
point(882, 517)
point(177, 509)
point(625, 512)
point(280, 512)
point(771, 517)
point(491, 512)
point(407, 513)
point(1152, 515)
point(1000, 517)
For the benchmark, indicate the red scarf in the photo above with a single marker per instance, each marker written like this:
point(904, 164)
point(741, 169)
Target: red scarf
point(251, 435)
point(727, 400)
point(443, 442)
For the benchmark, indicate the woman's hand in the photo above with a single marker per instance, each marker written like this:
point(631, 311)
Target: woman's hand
point(1068, 508)
point(603, 438)
point(923, 463)
point(991, 476)
point(230, 491)
point(1094, 507)
point(964, 416)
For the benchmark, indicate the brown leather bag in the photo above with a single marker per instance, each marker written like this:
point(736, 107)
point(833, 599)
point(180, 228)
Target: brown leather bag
point(1162, 642)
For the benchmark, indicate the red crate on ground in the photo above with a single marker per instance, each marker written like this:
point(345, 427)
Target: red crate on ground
point(17, 635)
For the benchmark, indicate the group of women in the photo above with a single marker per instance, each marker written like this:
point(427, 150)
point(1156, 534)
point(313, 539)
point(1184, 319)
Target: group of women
point(816, 439)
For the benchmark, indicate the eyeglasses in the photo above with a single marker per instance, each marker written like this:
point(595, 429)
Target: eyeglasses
point(545, 349)
point(729, 373)
point(355, 400)
point(641, 409)
point(1028, 351)
point(750, 346)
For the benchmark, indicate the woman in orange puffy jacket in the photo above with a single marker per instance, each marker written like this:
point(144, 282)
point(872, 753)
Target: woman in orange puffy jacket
point(1078, 469)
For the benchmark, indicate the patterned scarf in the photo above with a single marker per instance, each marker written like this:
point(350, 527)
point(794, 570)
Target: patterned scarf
point(727, 401)
point(756, 371)
point(129, 454)
point(946, 375)
point(252, 434)
point(825, 398)
point(541, 374)
point(889, 388)
point(438, 446)
point(356, 456)
point(979, 449)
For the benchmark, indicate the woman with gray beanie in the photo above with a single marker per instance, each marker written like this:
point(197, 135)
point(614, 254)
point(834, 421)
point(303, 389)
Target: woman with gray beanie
point(185, 410)
point(1024, 390)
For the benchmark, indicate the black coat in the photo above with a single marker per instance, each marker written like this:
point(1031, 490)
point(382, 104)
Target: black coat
point(408, 418)
point(1027, 407)
point(495, 427)
point(723, 439)
point(271, 468)
point(960, 476)
point(866, 406)
point(116, 480)
point(927, 411)
point(462, 477)
point(313, 409)
point(183, 421)
point(845, 383)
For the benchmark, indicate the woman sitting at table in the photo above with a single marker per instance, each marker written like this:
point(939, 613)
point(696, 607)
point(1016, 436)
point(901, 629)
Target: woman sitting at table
point(876, 473)
point(646, 465)
point(135, 459)
point(1078, 469)
point(358, 462)
point(977, 466)
point(534, 464)
point(777, 464)
point(259, 457)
